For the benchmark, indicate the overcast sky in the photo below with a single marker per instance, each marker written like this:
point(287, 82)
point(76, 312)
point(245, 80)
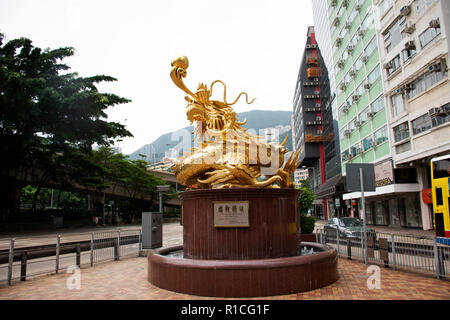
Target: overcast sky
point(252, 45)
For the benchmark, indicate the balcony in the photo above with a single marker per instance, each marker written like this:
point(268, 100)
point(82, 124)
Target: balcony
point(313, 72)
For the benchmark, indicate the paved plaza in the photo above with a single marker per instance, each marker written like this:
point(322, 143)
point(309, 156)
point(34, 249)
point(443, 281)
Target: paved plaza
point(127, 280)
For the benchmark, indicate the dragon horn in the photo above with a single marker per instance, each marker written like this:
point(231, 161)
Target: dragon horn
point(178, 72)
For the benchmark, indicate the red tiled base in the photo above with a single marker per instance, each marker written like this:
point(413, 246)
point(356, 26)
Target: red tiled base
point(243, 278)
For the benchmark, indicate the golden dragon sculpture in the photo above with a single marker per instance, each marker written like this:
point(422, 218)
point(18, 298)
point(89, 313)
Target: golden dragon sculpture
point(228, 156)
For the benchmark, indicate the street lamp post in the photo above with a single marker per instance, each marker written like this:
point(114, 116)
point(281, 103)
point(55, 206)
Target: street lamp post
point(161, 189)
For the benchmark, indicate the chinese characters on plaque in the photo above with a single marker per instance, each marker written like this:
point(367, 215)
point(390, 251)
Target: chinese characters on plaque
point(231, 214)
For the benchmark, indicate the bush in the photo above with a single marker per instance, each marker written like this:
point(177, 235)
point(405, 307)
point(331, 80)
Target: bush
point(307, 224)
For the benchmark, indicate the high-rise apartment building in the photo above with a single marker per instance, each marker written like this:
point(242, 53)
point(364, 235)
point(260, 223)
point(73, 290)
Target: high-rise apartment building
point(313, 121)
point(389, 62)
point(414, 48)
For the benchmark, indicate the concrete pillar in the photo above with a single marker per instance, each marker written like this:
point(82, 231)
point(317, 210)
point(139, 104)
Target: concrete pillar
point(427, 214)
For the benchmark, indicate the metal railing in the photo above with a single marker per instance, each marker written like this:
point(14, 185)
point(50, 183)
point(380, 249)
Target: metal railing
point(25, 262)
point(423, 254)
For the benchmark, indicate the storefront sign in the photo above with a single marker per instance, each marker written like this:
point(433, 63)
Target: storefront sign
point(384, 174)
point(231, 214)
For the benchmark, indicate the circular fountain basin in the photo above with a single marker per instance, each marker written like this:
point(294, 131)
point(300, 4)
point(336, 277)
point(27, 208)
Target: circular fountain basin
point(168, 269)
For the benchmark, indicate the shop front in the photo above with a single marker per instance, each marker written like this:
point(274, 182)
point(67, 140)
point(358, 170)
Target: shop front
point(394, 203)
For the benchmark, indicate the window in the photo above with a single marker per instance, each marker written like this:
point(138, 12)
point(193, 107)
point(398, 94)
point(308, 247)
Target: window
point(355, 149)
point(384, 6)
point(345, 155)
point(393, 65)
point(403, 147)
point(394, 35)
point(428, 35)
point(363, 116)
point(424, 82)
point(358, 64)
point(371, 47)
point(401, 132)
point(341, 111)
point(441, 118)
point(351, 125)
point(378, 105)
point(374, 75)
point(407, 54)
point(367, 143)
point(354, 41)
point(360, 91)
point(368, 21)
point(380, 135)
point(342, 133)
point(421, 124)
point(398, 105)
point(422, 5)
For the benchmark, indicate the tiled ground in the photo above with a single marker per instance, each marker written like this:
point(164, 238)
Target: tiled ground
point(126, 279)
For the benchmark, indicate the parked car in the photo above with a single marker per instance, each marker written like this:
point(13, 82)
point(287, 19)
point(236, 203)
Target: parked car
point(349, 228)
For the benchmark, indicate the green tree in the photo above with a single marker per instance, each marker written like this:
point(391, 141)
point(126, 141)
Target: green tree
point(49, 118)
point(305, 202)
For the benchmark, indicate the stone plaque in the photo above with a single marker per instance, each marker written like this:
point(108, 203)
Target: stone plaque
point(231, 214)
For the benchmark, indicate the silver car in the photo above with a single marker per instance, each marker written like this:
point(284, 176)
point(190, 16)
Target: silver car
point(349, 228)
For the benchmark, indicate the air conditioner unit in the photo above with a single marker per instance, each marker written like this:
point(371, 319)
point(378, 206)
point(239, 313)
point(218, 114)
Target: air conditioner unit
point(364, 59)
point(409, 45)
point(308, 46)
point(358, 6)
point(333, 3)
point(388, 65)
point(406, 10)
point(352, 74)
point(435, 67)
point(338, 42)
point(313, 46)
point(350, 49)
point(435, 23)
point(343, 86)
point(345, 3)
point(358, 123)
point(433, 112)
point(409, 27)
point(403, 127)
point(408, 87)
point(371, 114)
point(367, 86)
point(316, 92)
point(399, 90)
point(345, 109)
point(355, 97)
point(347, 133)
point(361, 32)
point(340, 63)
point(348, 25)
point(317, 105)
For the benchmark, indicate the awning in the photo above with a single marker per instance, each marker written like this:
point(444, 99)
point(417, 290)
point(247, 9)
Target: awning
point(332, 186)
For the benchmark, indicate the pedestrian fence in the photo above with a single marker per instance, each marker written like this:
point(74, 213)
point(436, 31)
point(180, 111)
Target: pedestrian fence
point(413, 253)
point(26, 262)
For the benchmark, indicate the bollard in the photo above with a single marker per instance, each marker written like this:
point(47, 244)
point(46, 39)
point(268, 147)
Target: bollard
point(58, 247)
point(116, 249)
point(394, 259)
point(23, 267)
point(10, 260)
point(349, 250)
point(78, 255)
point(438, 260)
point(92, 249)
point(140, 240)
point(118, 244)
